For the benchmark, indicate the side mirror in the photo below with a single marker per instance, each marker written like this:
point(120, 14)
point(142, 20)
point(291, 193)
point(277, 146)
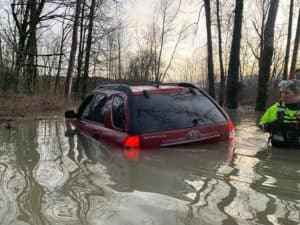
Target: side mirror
point(70, 114)
point(70, 133)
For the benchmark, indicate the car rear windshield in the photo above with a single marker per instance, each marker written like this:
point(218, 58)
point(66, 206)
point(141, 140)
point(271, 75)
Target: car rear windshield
point(169, 111)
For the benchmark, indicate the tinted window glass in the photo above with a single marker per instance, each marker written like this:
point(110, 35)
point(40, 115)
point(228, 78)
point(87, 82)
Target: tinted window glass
point(170, 111)
point(118, 110)
point(97, 113)
point(85, 108)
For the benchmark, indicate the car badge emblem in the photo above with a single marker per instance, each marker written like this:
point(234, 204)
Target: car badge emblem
point(193, 134)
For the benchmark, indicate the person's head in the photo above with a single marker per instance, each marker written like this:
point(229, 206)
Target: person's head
point(289, 91)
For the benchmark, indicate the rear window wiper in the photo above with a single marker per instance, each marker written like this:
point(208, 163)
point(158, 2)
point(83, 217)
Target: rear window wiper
point(146, 94)
point(196, 120)
point(192, 91)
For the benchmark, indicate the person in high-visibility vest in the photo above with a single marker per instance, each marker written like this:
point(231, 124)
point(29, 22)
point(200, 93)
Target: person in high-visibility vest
point(282, 119)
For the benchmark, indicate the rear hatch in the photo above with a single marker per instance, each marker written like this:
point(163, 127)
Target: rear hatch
point(204, 134)
point(185, 116)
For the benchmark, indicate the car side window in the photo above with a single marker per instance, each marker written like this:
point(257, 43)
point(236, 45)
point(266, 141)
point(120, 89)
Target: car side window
point(97, 113)
point(118, 112)
point(85, 108)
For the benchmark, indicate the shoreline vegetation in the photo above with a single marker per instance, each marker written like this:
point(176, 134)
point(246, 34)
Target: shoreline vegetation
point(14, 108)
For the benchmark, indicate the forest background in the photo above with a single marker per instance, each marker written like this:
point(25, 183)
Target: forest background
point(53, 52)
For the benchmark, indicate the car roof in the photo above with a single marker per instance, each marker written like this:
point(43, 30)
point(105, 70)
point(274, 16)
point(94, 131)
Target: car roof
point(140, 89)
point(153, 89)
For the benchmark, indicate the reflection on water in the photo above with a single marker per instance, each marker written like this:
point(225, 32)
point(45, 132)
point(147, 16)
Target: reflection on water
point(48, 177)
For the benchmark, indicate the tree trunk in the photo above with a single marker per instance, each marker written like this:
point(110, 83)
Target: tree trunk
point(296, 46)
point(61, 49)
point(266, 60)
point(150, 57)
point(82, 35)
point(287, 51)
point(119, 57)
point(222, 73)
point(88, 48)
point(232, 90)
point(1, 57)
point(210, 65)
point(56, 86)
point(26, 16)
point(31, 69)
point(31, 48)
point(68, 82)
point(22, 26)
point(162, 41)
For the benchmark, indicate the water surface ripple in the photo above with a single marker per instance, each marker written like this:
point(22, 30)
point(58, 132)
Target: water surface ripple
point(51, 174)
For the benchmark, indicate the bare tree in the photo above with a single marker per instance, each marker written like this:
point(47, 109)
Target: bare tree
point(1, 56)
point(234, 61)
point(191, 70)
point(296, 46)
point(65, 31)
point(28, 18)
point(287, 52)
point(222, 73)
point(181, 36)
point(142, 65)
point(210, 64)
point(68, 82)
point(259, 27)
point(164, 7)
point(49, 61)
point(21, 17)
point(88, 47)
point(81, 47)
point(168, 15)
point(27, 15)
point(278, 56)
point(119, 56)
point(266, 59)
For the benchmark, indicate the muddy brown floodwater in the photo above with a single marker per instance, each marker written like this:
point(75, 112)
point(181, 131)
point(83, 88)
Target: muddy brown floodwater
point(52, 175)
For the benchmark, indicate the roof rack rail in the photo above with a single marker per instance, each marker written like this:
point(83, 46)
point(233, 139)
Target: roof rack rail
point(181, 84)
point(118, 87)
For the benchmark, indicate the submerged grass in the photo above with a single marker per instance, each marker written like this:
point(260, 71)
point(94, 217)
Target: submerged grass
point(33, 107)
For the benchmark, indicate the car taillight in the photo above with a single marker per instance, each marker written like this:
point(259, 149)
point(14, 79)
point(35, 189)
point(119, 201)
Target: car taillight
point(132, 142)
point(231, 131)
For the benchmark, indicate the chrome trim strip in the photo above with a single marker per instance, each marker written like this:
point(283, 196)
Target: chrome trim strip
point(190, 141)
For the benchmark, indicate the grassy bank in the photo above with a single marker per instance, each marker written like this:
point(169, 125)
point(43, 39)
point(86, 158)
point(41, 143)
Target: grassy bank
point(33, 107)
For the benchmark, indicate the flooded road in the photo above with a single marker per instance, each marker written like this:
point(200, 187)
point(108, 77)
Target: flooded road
point(52, 175)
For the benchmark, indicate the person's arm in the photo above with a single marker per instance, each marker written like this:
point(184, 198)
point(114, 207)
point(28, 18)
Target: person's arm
point(272, 127)
point(272, 119)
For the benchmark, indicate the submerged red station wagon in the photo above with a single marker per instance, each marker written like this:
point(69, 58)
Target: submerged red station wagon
point(152, 116)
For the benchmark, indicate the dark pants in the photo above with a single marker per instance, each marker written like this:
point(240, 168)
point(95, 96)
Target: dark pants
point(289, 139)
